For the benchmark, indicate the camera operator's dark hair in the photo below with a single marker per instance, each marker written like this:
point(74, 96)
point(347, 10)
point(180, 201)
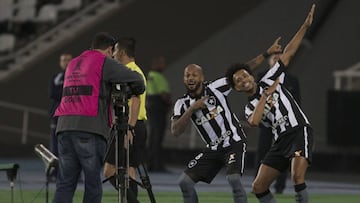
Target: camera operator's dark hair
point(128, 45)
point(102, 40)
point(233, 69)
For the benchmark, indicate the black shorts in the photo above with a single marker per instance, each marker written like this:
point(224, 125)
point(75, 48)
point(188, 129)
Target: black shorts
point(208, 163)
point(297, 143)
point(137, 149)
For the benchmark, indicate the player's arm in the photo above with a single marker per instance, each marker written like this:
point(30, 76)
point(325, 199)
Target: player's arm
point(178, 124)
point(295, 42)
point(273, 49)
point(255, 118)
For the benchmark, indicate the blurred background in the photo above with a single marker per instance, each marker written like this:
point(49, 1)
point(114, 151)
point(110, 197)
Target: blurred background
point(211, 33)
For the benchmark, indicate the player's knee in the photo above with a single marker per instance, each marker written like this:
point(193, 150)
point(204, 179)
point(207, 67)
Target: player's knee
point(297, 178)
point(235, 183)
point(258, 187)
point(234, 180)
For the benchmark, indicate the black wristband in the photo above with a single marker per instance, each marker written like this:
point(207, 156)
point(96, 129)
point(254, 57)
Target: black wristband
point(266, 55)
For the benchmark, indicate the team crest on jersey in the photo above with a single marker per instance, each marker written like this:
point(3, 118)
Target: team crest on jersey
point(192, 163)
point(211, 101)
point(270, 101)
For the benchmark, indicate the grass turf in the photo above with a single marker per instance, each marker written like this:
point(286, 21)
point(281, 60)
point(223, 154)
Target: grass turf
point(32, 196)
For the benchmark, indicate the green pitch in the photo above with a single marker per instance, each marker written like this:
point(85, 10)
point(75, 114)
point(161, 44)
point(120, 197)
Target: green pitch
point(32, 196)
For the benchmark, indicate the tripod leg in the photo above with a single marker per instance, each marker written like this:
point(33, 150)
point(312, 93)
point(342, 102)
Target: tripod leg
point(146, 182)
point(130, 194)
point(12, 191)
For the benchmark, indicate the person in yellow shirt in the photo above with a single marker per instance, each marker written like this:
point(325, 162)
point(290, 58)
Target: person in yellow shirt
point(124, 53)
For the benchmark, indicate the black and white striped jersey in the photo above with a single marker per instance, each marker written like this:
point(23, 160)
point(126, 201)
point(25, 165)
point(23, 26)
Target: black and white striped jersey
point(281, 112)
point(216, 124)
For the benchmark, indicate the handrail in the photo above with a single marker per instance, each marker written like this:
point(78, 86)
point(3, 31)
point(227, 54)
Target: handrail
point(24, 131)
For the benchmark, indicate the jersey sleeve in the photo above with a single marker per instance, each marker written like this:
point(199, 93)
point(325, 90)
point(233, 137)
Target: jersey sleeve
point(277, 71)
point(250, 107)
point(221, 85)
point(179, 109)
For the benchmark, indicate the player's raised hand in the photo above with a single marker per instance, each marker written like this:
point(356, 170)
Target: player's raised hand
point(275, 47)
point(310, 17)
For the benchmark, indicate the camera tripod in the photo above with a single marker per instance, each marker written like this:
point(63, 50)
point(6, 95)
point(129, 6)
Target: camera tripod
point(121, 144)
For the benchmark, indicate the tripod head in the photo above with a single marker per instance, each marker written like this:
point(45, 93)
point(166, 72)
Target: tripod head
point(120, 92)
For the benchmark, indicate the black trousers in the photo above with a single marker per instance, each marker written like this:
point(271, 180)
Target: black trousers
point(157, 120)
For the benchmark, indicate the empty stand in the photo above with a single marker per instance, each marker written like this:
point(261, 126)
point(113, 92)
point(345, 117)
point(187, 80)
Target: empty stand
point(7, 43)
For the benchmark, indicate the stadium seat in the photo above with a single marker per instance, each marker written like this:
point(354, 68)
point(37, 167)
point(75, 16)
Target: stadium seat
point(7, 43)
point(6, 14)
point(26, 3)
point(70, 5)
point(24, 13)
point(47, 14)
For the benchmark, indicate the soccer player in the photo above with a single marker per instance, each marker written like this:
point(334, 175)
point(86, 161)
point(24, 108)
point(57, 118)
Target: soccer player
point(206, 105)
point(273, 105)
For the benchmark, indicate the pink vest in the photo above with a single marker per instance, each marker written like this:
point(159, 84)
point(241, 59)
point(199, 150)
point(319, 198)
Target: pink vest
point(82, 85)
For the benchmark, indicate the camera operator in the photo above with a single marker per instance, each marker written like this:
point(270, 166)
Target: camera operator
point(84, 121)
point(125, 53)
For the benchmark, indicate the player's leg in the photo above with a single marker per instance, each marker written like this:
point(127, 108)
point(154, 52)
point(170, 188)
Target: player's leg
point(264, 143)
point(266, 175)
point(300, 162)
point(187, 186)
point(203, 167)
point(238, 190)
point(299, 166)
point(280, 182)
point(234, 160)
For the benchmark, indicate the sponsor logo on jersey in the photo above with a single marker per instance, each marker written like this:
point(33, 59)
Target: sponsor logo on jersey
point(211, 115)
point(221, 138)
point(280, 121)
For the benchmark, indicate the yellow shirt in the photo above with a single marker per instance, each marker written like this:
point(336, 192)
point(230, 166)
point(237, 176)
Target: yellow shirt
point(142, 113)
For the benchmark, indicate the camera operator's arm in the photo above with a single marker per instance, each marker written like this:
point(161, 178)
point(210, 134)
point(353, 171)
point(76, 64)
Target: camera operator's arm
point(118, 73)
